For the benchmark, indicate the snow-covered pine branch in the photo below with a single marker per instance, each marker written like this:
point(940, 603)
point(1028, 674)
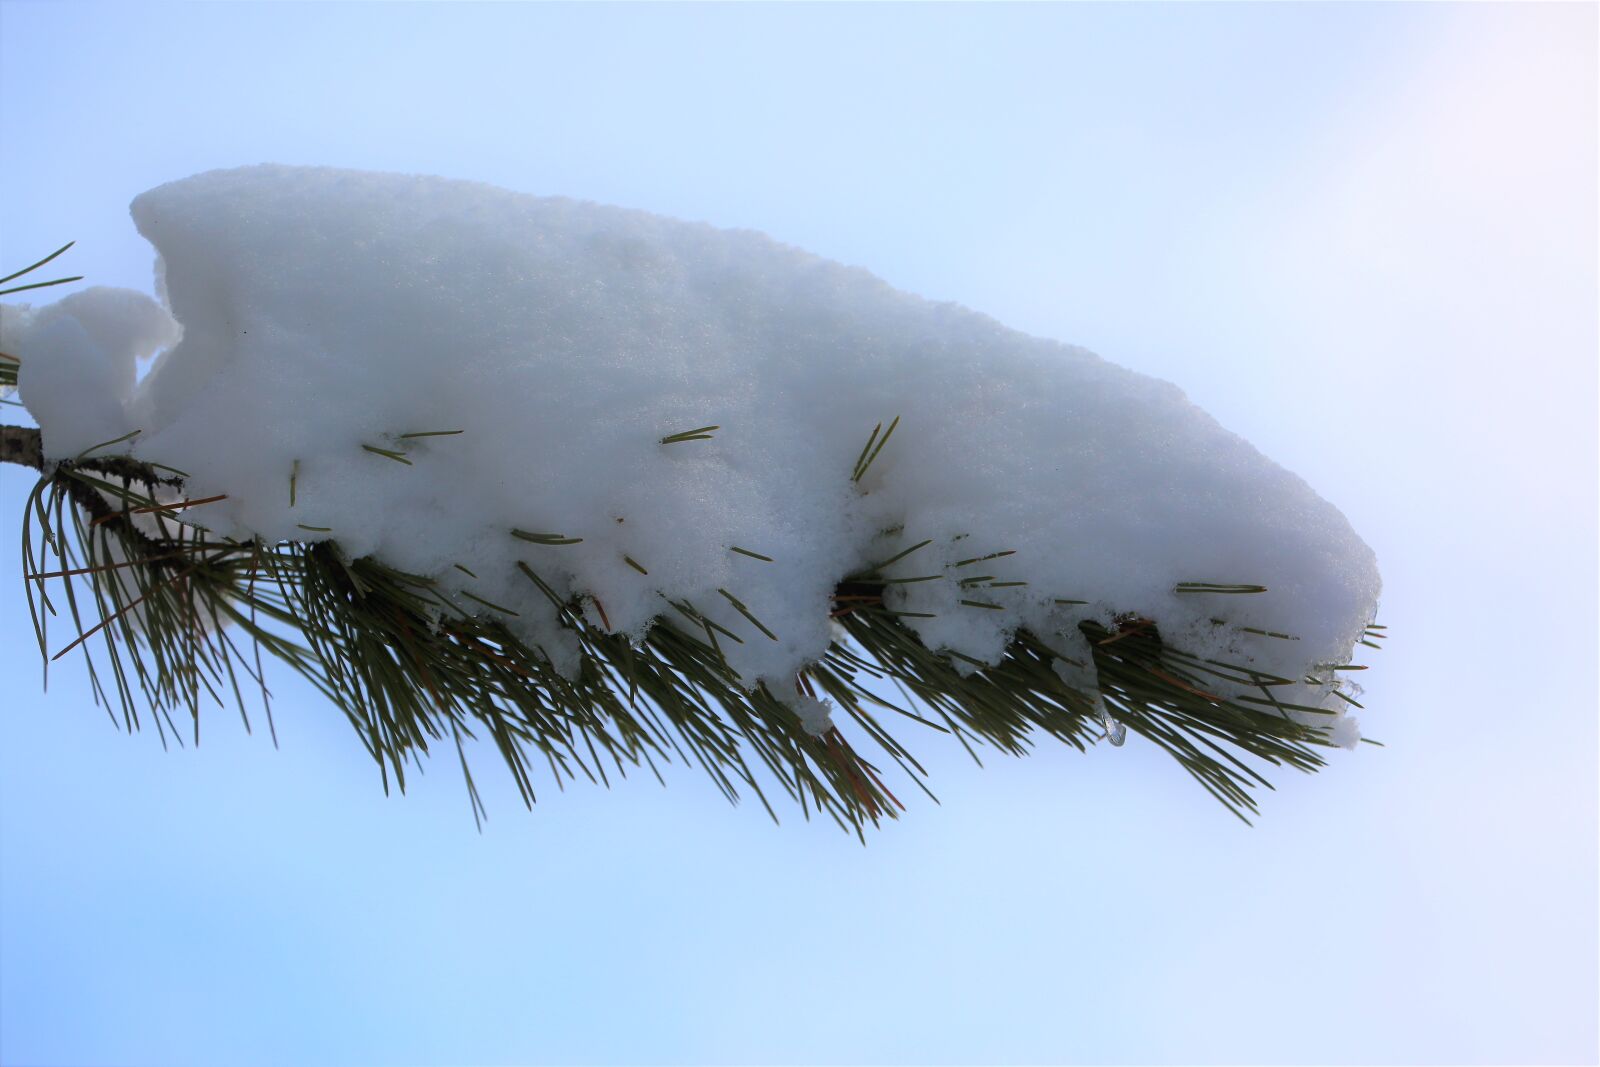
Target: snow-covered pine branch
point(619, 488)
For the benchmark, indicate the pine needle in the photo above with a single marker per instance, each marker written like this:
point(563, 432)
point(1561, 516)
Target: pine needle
point(371, 639)
point(874, 445)
point(35, 266)
point(545, 538)
point(699, 433)
point(388, 453)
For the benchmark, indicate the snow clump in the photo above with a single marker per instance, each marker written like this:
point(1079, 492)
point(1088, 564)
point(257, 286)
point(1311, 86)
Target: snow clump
point(557, 352)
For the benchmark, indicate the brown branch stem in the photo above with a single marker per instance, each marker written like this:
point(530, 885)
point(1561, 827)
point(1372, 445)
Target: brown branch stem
point(21, 445)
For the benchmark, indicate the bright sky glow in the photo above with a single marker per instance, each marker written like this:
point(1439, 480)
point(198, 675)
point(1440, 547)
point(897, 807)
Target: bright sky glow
point(1361, 236)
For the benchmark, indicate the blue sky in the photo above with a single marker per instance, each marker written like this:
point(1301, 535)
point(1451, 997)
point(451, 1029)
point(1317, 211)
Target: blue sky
point(1363, 236)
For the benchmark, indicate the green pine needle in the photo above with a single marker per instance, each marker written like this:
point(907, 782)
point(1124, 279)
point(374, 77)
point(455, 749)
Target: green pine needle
point(35, 266)
point(983, 559)
point(870, 451)
point(545, 538)
point(389, 453)
point(160, 621)
point(742, 610)
point(699, 433)
point(40, 285)
point(34, 285)
point(489, 603)
point(1213, 587)
point(900, 556)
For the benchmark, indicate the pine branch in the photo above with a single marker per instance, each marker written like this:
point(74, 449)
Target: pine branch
point(409, 667)
point(21, 445)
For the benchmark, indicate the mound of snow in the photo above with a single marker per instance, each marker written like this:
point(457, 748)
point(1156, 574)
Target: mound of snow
point(549, 346)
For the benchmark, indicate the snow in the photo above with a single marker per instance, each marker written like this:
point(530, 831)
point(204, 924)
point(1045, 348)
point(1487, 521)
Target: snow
point(327, 313)
point(816, 716)
point(86, 347)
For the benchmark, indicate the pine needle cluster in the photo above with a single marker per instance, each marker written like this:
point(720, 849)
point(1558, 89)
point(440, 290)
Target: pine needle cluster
point(170, 620)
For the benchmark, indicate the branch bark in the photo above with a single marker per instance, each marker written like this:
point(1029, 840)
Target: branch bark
point(21, 445)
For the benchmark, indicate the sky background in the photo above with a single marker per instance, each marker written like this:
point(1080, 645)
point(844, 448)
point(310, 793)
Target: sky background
point(1362, 236)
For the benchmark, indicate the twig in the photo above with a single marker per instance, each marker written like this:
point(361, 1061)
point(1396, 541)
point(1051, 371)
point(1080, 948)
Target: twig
point(21, 445)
